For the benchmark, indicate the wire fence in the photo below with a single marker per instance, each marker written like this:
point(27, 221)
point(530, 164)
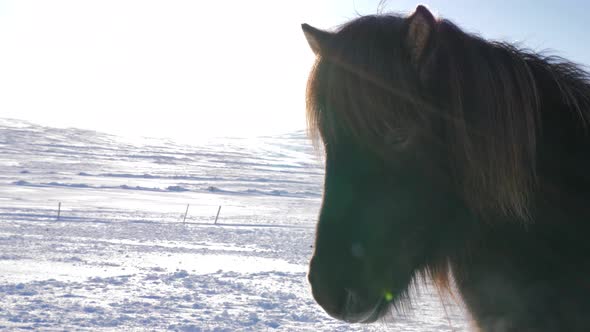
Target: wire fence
point(189, 213)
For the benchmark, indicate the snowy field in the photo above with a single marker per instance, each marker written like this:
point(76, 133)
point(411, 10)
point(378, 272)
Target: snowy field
point(120, 257)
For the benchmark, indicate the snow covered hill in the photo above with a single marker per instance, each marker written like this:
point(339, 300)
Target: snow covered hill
point(122, 256)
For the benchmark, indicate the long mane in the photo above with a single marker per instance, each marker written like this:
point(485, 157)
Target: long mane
point(480, 101)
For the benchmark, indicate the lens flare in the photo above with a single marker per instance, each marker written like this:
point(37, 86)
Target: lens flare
point(388, 296)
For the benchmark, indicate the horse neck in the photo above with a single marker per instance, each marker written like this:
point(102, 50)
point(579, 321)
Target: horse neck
point(533, 277)
point(527, 278)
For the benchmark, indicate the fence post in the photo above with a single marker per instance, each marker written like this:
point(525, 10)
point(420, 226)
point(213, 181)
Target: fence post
point(185, 213)
point(217, 216)
point(58, 210)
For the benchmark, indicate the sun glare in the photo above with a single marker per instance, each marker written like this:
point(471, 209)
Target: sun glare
point(187, 69)
point(182, 69)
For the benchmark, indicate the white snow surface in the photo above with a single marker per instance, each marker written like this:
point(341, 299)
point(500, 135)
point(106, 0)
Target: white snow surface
point(120, 256)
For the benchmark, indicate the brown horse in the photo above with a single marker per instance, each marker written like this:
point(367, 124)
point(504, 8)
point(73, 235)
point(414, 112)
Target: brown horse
point(450, 155)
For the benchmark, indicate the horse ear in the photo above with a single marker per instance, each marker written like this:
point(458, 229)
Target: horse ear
point(316, 38)
point(420, 30)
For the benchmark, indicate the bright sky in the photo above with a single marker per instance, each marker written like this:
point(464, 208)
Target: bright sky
point(187, 68)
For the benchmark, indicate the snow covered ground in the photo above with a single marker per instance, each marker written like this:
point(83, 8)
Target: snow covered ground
point(120, 256)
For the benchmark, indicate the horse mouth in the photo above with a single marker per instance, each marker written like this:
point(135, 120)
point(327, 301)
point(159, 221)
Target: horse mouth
point(353, 313)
